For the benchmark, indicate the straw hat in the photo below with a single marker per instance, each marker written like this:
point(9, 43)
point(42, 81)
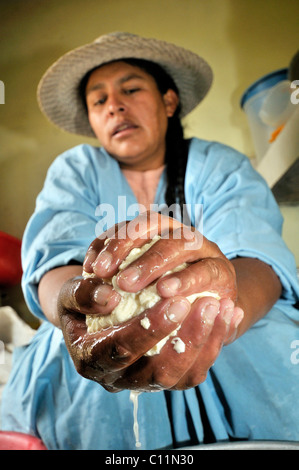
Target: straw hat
point(58, 90)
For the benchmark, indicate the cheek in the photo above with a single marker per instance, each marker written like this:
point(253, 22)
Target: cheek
point(161, 126)
point(96, 123)
point(156, 121)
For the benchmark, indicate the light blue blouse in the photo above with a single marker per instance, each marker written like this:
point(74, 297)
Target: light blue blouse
point(251, 391)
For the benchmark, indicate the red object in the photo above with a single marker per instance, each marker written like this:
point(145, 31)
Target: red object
point(10, 260)
point(18, 441)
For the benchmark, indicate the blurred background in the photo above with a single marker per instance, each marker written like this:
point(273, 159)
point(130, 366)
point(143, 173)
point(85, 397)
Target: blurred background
point(241, 39)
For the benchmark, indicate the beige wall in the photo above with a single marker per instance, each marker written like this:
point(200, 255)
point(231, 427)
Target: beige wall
point(242, 40)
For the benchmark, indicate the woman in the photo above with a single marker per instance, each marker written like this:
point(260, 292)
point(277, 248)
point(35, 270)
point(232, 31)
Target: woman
point(234, 379)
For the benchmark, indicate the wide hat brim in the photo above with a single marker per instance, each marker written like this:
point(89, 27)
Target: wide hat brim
point(58, 91)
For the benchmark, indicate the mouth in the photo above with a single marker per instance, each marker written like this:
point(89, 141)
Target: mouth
point(122, 128)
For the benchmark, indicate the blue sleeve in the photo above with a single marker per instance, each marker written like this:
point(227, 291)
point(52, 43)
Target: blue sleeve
point(240, 213)
point(63, 224)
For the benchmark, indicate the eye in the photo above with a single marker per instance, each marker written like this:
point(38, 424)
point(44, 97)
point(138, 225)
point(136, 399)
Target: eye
point(130, 91)
point(100, 101)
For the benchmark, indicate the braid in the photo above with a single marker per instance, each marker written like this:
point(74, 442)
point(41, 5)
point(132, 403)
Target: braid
point(176, 160)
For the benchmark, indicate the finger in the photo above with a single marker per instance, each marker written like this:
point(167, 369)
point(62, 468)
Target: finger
point(94, 248)
point(91, 296)
point(210, 349)
point(108, 261)
point(74, 302)
point(207, 275)
point(121, 238)
point(165, 370)
point(97, 245)
point(233, 332)
point(164, 255)
point(194, 349)
point(104, 257)
point(118, 347)
point(190, 341)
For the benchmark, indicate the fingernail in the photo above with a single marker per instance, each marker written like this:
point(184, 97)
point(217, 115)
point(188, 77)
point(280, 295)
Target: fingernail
point(178, 310)
point(228, 314)
point(209, 313)
point(238, 318)
point(102, 294)
point(129, 275)
point(171, 285)
point(104, 260)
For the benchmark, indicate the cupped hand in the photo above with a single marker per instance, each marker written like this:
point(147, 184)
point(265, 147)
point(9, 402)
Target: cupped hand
point(115, 357)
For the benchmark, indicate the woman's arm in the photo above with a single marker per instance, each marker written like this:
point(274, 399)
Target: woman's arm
point(258, 289)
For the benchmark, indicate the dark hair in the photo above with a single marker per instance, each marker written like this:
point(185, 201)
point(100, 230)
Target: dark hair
point(176, 146)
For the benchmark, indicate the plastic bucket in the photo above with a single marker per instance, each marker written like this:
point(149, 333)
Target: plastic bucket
point(268, 106)
point(10, 440)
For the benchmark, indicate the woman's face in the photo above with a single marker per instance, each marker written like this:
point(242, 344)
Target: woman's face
point(129, 115)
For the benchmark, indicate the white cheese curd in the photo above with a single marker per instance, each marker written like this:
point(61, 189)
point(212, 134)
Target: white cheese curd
point(145, 323)
point(178, 345)
point(132, 304)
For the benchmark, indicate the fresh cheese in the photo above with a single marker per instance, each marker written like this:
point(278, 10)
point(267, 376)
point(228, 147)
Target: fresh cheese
point(133, 304)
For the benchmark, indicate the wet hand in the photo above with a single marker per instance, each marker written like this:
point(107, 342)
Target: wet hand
point(115, 357)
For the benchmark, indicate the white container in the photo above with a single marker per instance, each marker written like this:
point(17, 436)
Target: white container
point(267, 104)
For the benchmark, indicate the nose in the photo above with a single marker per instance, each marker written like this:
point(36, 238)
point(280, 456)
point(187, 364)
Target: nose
point(115, 105)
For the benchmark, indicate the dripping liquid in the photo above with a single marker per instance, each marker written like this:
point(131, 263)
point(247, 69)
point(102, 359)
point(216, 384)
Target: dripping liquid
point(134, 399)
